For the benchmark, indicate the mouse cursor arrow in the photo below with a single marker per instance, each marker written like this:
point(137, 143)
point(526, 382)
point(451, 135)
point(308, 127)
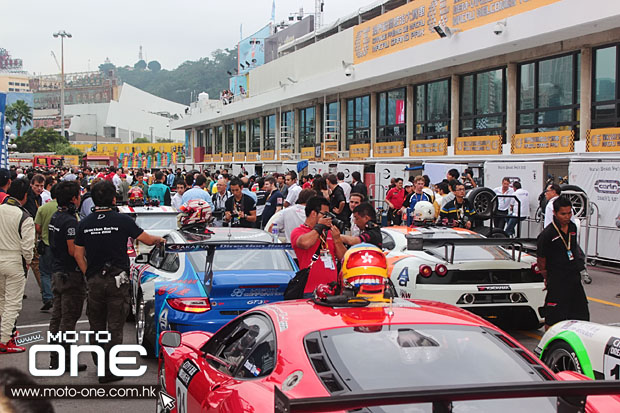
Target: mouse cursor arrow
point(166, 400)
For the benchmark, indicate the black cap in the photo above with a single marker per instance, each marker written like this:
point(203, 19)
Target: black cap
point(5, 176)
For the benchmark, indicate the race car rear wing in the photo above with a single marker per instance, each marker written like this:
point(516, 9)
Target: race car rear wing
point(571, 396)
point(417, 242)
point(204, 246)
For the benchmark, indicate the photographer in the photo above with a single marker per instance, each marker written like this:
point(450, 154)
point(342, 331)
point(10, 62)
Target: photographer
point(365, 217)
point(459, 210)
point(468, 179)
point(318, 236)
point(219, 202)
point(240, 208)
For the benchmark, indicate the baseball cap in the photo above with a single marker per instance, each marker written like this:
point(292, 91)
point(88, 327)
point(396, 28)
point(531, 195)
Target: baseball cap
point(5, 175)
point(408, 183)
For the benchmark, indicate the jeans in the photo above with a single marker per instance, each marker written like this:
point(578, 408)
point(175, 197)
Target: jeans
point(512, 223)
point(500, 218)
point(45, 268)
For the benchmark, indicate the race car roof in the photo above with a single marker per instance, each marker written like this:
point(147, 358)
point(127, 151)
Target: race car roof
point(230, 235)
point(147, 210)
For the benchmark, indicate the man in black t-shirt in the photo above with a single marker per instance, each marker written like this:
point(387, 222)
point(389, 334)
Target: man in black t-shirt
point(261, 200)
point(240, 208)
point(102, 240)
point(337, 199)
point(68, 284)
point(365, 218)
point(275, 200)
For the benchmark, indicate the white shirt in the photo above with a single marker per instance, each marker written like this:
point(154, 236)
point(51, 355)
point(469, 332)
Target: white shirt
point(293, 194)
point(549, 213)
point(116, 180)
point(524, 198)
point(177, 200)
point(355, 231)
point(346, 188)
point(503, 204)
point(45, 196)
point(290, 218)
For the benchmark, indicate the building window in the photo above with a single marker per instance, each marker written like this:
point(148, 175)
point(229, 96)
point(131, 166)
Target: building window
point(241, 137)
point(391, 118)
point(549, 95)
point(11, 89)
point(229, 138)
point(270, 133)
point(605, 91)
point(209, 141)
point(200, 138)
point(432, 110)
point(483, 104)
point(287, 128)
point(11, 83)
point(307, 128)
point(358, 120)
point(255, 135)
point(219, 134)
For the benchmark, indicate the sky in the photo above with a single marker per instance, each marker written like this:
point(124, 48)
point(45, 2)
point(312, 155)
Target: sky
point(170, 31)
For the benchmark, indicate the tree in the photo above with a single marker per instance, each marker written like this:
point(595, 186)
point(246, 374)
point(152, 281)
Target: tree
point(19, 114)
point(164, 140)
point(65, 148)
point(140, 65)
point(39, 140)
point(154, 66)
point(104, 67)
point(141, 140)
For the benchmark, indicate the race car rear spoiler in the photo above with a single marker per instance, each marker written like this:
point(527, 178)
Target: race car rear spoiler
point(571, 396)
point(417, 242)
point(204, 246)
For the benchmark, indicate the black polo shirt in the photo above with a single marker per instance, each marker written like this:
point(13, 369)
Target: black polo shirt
point(275, 200)
point(372, 236)
point(246, 204)
point(335, 198)
point(62, 228)
point(551, 247)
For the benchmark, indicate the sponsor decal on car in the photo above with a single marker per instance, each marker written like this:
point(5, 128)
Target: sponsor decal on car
point(255, 292)
point(185, 375)
point(611, 359)
point(494, 288)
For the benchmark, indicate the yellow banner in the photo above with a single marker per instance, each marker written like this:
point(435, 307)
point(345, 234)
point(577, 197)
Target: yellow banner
point(110, 149)
point(429, 147)
point(543, 142)
point(478, 145)
point(227, 157)
point(239, 156)
point(285, 154)
point(251, 157)
point(217, 157)
point(208, 158)
point(268, 155)
point(603, 140)
point(412, 24)
point(388, 149)
point(330, 150)
point(359, 151)
point(307, 153)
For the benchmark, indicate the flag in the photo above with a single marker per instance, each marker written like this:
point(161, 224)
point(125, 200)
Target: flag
point(273, 11)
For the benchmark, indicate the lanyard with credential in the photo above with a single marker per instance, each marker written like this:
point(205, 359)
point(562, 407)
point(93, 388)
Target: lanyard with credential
point(566, 244)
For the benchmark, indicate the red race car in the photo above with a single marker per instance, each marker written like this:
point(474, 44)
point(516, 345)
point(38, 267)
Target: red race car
point(341, 357)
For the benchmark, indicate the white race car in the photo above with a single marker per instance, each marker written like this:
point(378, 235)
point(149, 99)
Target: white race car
point(156, 220)
point(492, 278)
point(587, 348)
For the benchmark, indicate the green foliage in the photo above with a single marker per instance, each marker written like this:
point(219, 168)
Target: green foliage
point(164, 140)
point(140, 65)
point(104, 67)
point(141, 140)
point(19, 114)
point(40, 140)
point(65, 148)
point(154, 66)
point(205, 75)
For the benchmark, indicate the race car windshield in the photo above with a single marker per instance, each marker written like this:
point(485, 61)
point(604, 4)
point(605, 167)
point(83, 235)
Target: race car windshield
point(156, 221)
point(469, 253)
point(244, 260)
point(418, 355)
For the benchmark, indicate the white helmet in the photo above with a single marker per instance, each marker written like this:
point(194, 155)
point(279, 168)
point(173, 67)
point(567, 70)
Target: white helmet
point(423, 211)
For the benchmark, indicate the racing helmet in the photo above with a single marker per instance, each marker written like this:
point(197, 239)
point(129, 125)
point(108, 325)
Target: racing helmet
point(423, 211)
point(196, 211)
point(136, 196)
point(365, 267)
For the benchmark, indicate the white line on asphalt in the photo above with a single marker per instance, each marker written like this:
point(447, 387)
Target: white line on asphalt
point(45, 325)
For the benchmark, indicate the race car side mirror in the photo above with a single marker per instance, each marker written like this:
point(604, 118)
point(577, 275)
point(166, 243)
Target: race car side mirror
point(170, 339)
point(142, 259)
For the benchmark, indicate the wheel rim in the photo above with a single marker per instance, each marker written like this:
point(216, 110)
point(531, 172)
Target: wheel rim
point(561, 360)
point(140, 321)
point(481, 203)
point(579, 206)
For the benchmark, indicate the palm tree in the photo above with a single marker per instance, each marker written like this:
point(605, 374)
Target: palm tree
point(19, 114)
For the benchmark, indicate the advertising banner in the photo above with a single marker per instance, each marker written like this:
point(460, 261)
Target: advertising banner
point(227, 157)
point(307, 153)
point(543, 142)
point(251, 51)
point(348, 168)
point(251, 156)
point(603, 140)
point(478, 145)
point(530, 174)
point(388, 149)
point(386, 171)
point(412, 24)
point(239, 156)
point(4, 149)
point(429, 147)
point(601, 182)
point(268, 155)
point(360, 150)
point(437, 171)
point(317, 168)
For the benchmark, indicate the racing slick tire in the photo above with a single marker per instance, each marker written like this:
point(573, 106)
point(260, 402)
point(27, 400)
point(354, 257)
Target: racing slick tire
point(491, 233)
point(145, 325)
point(560, 357)
point(579, 201)
point(480, 198)
point(131, 315)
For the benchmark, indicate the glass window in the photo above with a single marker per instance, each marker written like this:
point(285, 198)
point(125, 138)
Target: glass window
point(200, 138)
point(432, 106)
point(229, 138)
point(255, 135)
point(270, 132)
point(483, 104)
point(307, 121)
point(241, 137)
point(209, 141)
point(287, 127)
point(605, 91)
point(549, 95)
point(391, 115)
point(358, 120)
point(219, 131)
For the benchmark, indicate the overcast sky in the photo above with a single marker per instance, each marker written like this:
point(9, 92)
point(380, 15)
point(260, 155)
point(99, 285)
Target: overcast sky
point(170, 31)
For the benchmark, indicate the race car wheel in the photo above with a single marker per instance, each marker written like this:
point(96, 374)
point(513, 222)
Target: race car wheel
point(480, 198)
point(561, 357)
point(145, 326)
point(579, 201)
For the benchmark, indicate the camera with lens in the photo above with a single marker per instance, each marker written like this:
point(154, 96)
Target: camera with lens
point(335, 221)
point(218, 213)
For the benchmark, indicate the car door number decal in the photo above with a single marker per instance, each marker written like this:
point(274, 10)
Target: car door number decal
point(403, 277)
point(186, 373)
point(611, 359)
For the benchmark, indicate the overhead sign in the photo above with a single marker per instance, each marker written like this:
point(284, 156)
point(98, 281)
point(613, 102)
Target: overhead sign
point(227, 157)
point(412, 24)
point(428, 147)
point(603, 140)
point(360, 150)
point(239, 156)
point(388, 149)
point(478, 145)
point(251, 156)
point(543, 142)
point(268, 155)
point(307, 153)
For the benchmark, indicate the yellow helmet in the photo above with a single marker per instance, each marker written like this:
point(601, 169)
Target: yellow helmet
point(365, 267)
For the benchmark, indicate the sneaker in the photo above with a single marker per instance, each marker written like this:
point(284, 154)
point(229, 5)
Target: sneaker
point(47, 305)
point(11, 347)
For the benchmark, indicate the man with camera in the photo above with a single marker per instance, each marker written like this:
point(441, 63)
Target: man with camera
point(365, 217)
point(219, 202)
point(318, 242)
point(458, 211)
point(240, 208)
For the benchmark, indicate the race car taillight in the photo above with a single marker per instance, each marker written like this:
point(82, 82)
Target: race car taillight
point(426, 271)
point(535, 268)
point(190, 305)
point(441, 270)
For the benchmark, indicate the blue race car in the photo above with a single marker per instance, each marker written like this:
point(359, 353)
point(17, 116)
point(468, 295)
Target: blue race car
point(202, 279)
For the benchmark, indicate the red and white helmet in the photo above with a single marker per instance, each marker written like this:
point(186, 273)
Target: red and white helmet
point(196, 211)
point(136, 196)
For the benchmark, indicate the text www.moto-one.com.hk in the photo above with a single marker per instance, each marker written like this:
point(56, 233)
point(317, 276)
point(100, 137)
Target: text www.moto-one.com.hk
point(81, 392)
